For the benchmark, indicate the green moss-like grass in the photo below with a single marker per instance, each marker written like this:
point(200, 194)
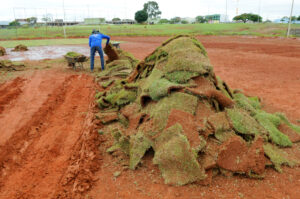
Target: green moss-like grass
point(270, 123)
point(107, 83)
point(121, 98)
point(247, 104)
point(139, 144)
point(277, 157)
point(180, 77)
point(73, 54)
point(161, 110)
point(243, 123)
point(288, 123)
point(160, 88)
point(175, 158)
point(120, 142)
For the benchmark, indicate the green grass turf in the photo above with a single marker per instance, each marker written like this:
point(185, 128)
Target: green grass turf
point(262, 29)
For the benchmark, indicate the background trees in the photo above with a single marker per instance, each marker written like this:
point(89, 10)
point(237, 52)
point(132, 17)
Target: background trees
point(175, 20)
point(201, 19)
point(152, 9)
point(248, 17)
point(141, 16)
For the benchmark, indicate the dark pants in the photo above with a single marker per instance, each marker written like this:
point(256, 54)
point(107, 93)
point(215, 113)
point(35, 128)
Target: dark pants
point(93, 51)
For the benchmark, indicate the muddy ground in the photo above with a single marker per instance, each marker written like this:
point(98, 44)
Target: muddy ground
point(44, 52)
point(49, 148)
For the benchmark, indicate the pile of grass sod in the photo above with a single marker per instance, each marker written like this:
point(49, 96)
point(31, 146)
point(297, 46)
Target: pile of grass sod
point(20, 47)
point(8, 65)
point(2, 51)
point(73, 54)
point(172, 103)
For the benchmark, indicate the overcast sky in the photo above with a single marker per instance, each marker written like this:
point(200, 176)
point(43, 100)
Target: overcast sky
point(77, 10)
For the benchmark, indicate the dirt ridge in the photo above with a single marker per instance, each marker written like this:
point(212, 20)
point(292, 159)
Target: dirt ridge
point(40, 151)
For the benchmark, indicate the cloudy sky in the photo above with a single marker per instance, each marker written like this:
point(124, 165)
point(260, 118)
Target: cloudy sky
point(77, 10)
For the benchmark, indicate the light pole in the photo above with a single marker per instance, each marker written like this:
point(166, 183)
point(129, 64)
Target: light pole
point(64, 28)
point(259, 9)
point(290, 21)
point(226, 11)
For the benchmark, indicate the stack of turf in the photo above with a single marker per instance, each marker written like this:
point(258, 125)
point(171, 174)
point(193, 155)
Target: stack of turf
point(2, 51)
point(173, 103)
point(7, 65)
point(119, 65)
point(73, 54)
point(20, 47)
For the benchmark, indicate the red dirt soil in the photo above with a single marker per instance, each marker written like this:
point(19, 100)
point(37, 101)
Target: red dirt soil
point(40, 130)
point(49, 144)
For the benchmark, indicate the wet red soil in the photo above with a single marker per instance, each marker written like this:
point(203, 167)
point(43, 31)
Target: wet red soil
point(49, 144)
point(41, 127)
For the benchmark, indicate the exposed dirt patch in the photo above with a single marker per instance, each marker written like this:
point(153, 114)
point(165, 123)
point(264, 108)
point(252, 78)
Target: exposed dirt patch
point(47, 136)
point(10, 91)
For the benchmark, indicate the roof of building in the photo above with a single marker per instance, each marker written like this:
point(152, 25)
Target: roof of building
point(4, 23)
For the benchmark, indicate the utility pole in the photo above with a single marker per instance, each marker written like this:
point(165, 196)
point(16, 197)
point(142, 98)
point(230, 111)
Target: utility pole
point(15, 23)
point(226, 19)
point(259, 9)
point(64, 28)
point(237, 7)
point(290, 21)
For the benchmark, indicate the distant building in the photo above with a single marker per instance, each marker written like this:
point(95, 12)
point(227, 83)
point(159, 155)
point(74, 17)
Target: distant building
point(4, 24)
point(94, 21)
point(60, 22)
point(123, 21)
point(285, 20)
point(216, 18)
point(189, 19)
point(22, 21)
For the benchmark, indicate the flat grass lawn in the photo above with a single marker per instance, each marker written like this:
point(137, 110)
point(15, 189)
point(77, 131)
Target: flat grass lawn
point(262, 29)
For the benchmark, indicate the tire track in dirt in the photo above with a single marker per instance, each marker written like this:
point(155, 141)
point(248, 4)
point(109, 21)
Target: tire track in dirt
point(10, 91)
point(48, 149)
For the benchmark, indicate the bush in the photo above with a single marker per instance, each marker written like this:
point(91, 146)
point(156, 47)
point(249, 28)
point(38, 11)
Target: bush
point(141, 16)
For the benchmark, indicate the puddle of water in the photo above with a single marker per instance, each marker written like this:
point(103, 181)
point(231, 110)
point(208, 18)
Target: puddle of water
point(45, 52)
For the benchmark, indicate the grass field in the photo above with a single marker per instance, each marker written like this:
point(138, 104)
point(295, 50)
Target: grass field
point(149, 30)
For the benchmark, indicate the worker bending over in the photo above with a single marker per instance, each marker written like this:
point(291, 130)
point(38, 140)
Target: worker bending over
point(95, 43)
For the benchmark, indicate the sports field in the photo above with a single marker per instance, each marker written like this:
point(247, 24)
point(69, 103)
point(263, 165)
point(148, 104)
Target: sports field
point(263, 29)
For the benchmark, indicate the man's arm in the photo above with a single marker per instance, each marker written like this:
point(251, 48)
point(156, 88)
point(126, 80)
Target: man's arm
point(107, 39)
point(90, 41)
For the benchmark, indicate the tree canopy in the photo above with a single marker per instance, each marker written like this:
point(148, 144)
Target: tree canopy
point(248, 17)
point(116, 19)
point(47, 17)
point(200, 19)
point(141, 16)
point(152, 9)
point(175, 20)
point(14, 23)
point(162, 21)
point(31, 20)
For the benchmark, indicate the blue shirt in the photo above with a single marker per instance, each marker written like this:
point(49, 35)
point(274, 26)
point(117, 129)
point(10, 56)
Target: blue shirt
point(96, 40)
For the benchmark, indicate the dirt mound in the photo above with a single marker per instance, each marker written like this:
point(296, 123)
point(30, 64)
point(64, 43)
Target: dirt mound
point(20, 47)
point(2, 51)
point(228, 132)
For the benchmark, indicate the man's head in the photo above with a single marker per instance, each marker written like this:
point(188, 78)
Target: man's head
point(94, 31)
